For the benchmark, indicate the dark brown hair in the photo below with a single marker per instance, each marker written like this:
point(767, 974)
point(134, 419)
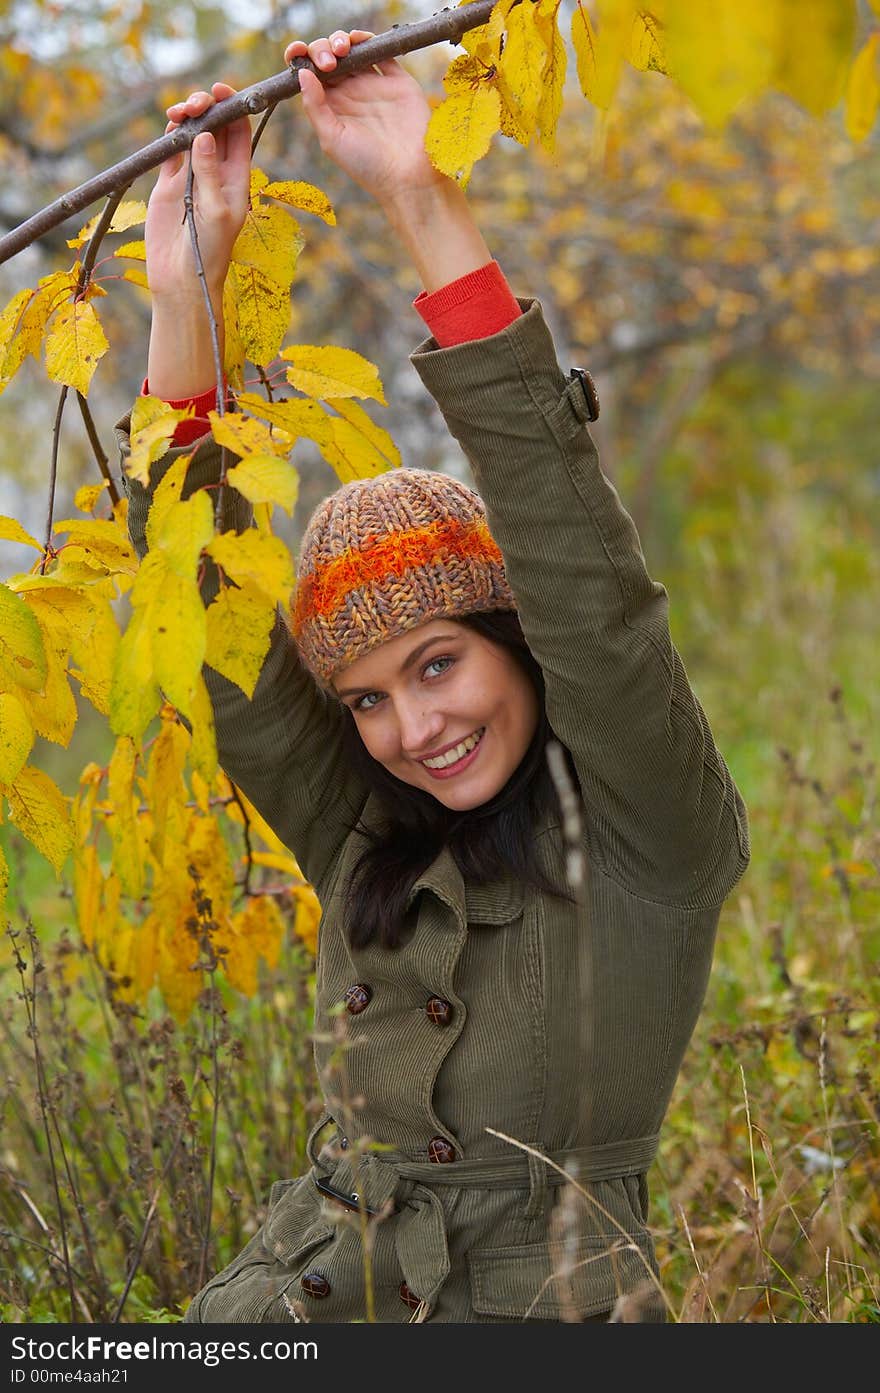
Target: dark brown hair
point(485, 842)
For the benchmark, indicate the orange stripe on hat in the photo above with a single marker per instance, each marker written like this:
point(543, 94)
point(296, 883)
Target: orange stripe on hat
point(323, 592)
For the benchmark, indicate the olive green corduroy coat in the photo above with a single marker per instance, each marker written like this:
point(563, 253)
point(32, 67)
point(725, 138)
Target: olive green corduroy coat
point(560, 1025)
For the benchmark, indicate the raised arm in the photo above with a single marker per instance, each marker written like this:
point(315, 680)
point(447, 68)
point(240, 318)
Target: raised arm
point(665, 818)
point(284, 747)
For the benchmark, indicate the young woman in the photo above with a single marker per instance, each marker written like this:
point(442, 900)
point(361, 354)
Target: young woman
point(468, 996)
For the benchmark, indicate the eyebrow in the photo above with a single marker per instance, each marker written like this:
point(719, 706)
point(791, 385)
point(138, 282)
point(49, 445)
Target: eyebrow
point(408, 661)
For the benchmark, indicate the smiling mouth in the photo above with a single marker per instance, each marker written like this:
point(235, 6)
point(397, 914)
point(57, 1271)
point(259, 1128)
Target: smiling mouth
point(456, 755)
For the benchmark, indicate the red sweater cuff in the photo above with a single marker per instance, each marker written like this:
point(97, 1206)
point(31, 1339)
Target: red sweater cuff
point(473, 307)
point(197, 425)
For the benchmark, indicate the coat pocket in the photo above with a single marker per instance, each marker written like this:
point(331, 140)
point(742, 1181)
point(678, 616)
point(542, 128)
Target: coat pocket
point(544, 1281)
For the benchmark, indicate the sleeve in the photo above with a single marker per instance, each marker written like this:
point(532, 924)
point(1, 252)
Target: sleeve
point(474, 306)
point(664, 817)
point(284, 746)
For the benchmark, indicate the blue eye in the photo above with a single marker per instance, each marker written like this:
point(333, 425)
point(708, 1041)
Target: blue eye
point(435, 661)
point(358, 705)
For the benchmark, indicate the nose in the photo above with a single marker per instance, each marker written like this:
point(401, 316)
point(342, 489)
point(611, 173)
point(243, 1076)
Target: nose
point(421, 729)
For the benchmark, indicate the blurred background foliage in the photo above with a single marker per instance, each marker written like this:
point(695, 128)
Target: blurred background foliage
point(724, 291)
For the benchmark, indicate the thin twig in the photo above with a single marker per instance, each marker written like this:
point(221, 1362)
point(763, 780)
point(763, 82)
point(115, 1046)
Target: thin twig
point(142, 1241)
point(215, 334)
point(29, 997)
point(97, 448)
point(246, 829)
point(53, 475)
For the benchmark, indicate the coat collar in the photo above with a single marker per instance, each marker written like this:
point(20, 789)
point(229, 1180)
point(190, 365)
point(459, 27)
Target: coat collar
point(497, 902)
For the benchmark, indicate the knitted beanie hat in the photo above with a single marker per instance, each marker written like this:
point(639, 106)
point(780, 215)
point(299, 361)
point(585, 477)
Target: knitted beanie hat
point(384, 554)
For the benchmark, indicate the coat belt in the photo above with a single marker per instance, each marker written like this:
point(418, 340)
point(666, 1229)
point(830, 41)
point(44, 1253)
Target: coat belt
point(420, 1222)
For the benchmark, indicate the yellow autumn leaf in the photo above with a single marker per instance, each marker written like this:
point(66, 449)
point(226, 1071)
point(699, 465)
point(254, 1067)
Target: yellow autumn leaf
point(180, 981)
point(143, 957)
point(208, 853)
point(264, 561)
point(298, 418)
point(123, 823)
point(484, 42)
point(52, 711)
point(12, 531)
point(723, 54)
point(83, 621)
point(75, 345)
point(153, 422)
point(258, 932)
point(103, 540)
point(306, 197)
point(602, 51)
point(234, 354)
point(270, 242)
point(262, 316)
point(22, 654)
point(40, 812)
point(322, 371)
point(165, 777)
point(4, 881)
point(258, 826)
point(245, 436)
point(239, 622)
point(136, 276)
point(130, 213)
point(11, 356)
point(521, 70)
point(203, 749)
point(88, 885)
point(553, 81)
point(363, 430)
point(266, 479)
point(184, 530)
point(814, 50)
point(86, 497)
point(460, 131)
point(175, 617)
point(134, 692)
point(275, 862)
point(583, 40)
point(647, 52)
point(16, 737)
point(132, 251)
point(24, 320)
point(308, 917)
point(351, 453)
point(863, 90)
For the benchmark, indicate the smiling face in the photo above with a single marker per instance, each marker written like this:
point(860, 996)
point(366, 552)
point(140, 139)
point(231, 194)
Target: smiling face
point(444, 709)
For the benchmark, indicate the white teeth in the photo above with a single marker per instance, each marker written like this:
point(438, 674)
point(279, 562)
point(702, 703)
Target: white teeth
point(452, 756)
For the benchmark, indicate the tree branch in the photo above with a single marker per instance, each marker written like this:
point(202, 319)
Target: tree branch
point(400, 38)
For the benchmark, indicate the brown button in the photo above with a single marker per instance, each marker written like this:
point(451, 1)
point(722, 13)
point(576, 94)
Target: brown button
point(440, 1150)
point(439, 1011)
point(357, 998)
point(316, 1284)
point(408, 1297)
point(588, 387)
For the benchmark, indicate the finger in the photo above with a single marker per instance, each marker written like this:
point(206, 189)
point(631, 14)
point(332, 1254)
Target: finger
point(206, 170)
point(324, 122)
point(193, 105)
point(322, 55)
point(298, 48)
point(340, 42)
